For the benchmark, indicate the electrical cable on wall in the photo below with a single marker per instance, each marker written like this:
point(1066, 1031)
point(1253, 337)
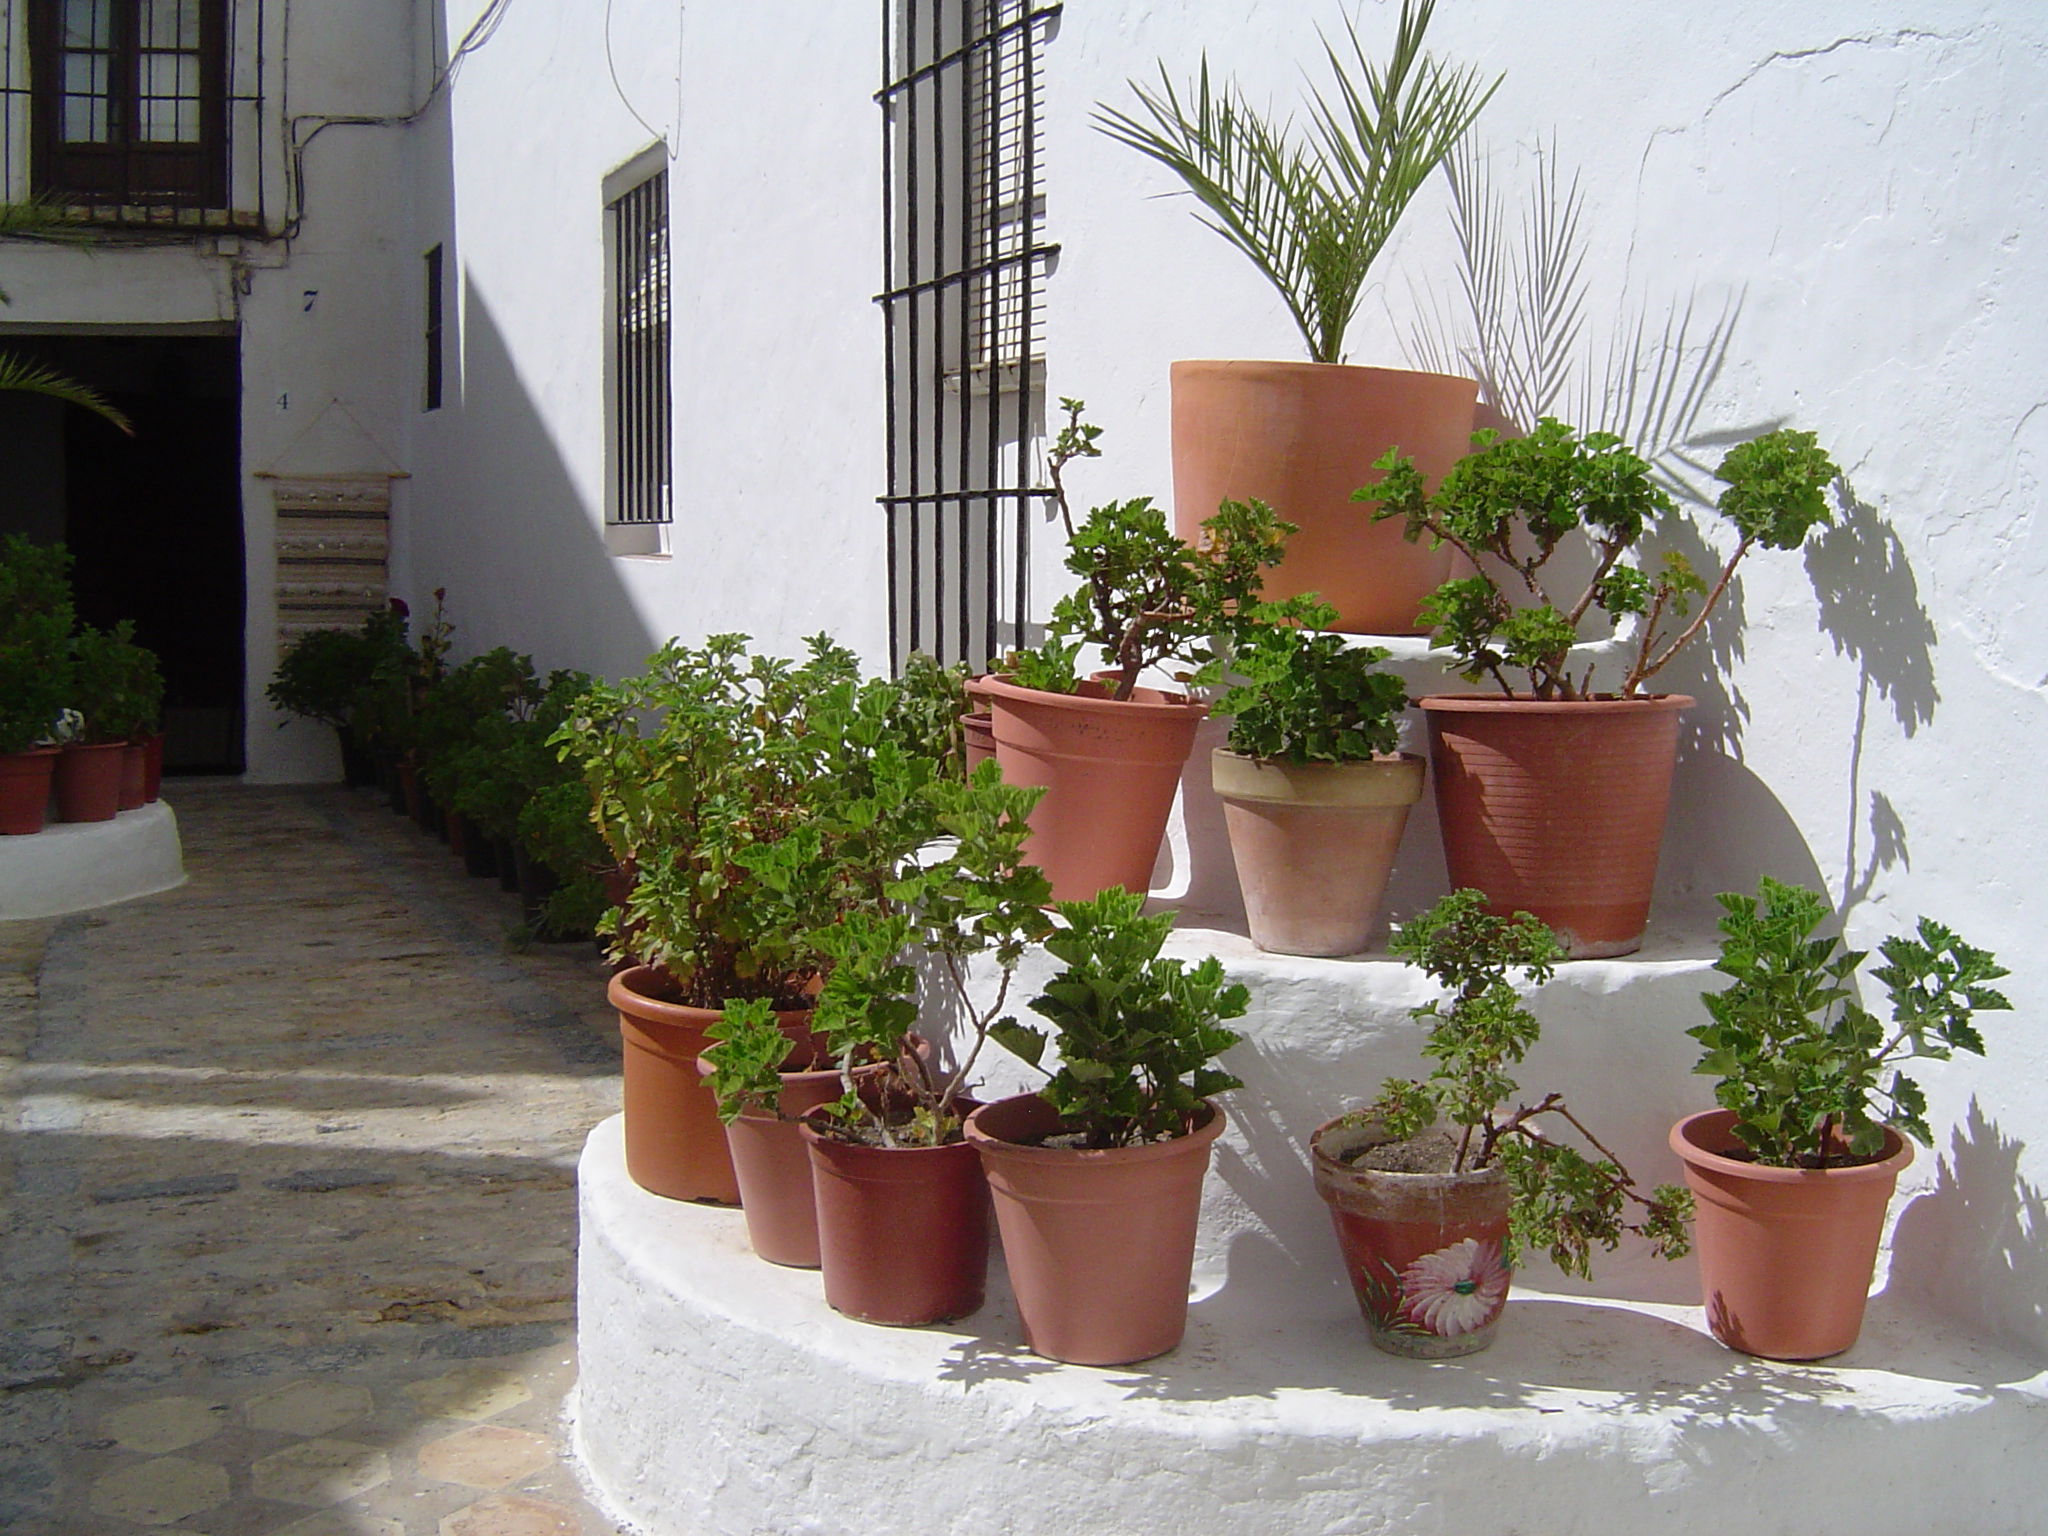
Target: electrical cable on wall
point(668, 141)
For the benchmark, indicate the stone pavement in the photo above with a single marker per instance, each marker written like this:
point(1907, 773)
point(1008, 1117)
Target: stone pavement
point(290, 1179)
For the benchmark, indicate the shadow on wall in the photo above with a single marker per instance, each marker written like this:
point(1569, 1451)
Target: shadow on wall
point(503, 524)
point(1975, 1247)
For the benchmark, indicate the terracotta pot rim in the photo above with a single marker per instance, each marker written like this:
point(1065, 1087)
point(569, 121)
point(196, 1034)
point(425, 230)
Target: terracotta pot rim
point(1159, 703)
point(95, 746)
point(620, 989)
point(814, 1137)
point(1205, 1131)
point(1396, 778)
point(1688, 1135)
point(1303, 365)
point(1499, 704)
point(50, 751)
point(1327, 1164)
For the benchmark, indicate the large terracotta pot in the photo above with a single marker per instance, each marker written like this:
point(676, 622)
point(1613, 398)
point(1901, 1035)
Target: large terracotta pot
point(134, 776)
point(675, 1145)
point(1100, 1244)
point(1785, 1254)
point(1314, 845)
point(89, 780)
point(1109, 768)
point(1302, 437)
point(902, 1231)
point(1425, 1251)
point(1557, 807)
point(978, 738)
point(772, 1167)
point(25, 790)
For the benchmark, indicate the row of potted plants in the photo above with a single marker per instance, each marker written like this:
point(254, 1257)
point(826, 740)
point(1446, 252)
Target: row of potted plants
point(81, 709)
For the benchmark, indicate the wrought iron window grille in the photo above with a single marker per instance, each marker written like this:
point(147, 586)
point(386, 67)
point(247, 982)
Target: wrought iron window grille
point(640, 464)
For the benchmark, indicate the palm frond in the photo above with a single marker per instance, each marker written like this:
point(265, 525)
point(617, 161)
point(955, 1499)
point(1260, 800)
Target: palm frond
point(19, 375)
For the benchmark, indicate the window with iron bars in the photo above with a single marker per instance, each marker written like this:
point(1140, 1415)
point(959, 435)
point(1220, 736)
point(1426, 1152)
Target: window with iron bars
point(135, 113)
point(965, 262)
point(639, 464)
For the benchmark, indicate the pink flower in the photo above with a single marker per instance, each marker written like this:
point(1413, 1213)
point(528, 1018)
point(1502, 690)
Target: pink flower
point(1456, 1289)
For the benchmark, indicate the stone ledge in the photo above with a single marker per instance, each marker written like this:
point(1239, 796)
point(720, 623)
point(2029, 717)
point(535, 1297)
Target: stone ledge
point(720, 1394)
point(75, 866)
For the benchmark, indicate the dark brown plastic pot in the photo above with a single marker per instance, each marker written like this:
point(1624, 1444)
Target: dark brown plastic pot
point(1302, 437)
point(1785, 1254)
point(89, 780)
point(1425, 1252)
point(1110, 770)
point(1557, 807)
point(773, 1168)
point(134, 776)
point(25, 790)
point(675, 1145)
point(902, 1231)
point(1100, 1244)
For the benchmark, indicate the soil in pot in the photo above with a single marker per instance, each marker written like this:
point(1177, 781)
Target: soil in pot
point(89, 781)
point(1424, 1247)
point(1110, 770)
point(25, 790)
point(1785, 1254)
point(902, 1231)
point(1100, 1243)
point(1557, 808)
point(675, 1143)
point(1314, 845)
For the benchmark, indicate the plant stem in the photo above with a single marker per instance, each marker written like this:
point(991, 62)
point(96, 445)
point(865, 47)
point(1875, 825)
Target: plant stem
point(1643, 673)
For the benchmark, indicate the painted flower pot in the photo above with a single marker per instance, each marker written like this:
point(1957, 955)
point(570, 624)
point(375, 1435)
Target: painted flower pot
point(1302, 437)
point(89, 780)
point(902, 1231)
point(1425, 1251)
point(1557, 807)
point(1100, 1244)
point(25, 790)
point(1314, 845)
point(1785, 1254)
point(1110, 769)
point(134, 776)
point(675, 1145)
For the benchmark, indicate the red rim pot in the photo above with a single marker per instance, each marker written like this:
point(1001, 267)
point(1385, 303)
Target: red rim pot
point(1110, 769)
point(675, 1143)
point(1100, 1244)
point(89, 780)
point(25, 790)
point(1425, 1252)
point(902, 1231)
point(1785, 1254)
point(1557, 807)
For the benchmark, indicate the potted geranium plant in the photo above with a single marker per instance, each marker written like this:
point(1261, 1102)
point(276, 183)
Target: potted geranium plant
point(711, 776)
point(1312, 211)
point(1552, 795)
point(1314, 787)
point(35, 674)
point(320, 677)
point(1097, 1177)
point(1107, 751)
point(111, 691)
point(1793, 1172)
point(899, 1222)
point(1431, 1220)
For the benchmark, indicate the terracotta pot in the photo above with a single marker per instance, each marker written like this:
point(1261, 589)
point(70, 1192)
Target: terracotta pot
point(902, 1231)
point(772, 1167)
point(1425, 1251)
point(978, 731)
point(134, 776)
point(153, 767)
point(535, 883)
point(675, 1145)
point(25, 790)
point(89, 780)
point(358, 768)
point(1314, 845)
point(1109, 769)
point(1302, 437)
point(1785, 1254)
point(1557, 808)
point(415, 795)
point(1100, 1244)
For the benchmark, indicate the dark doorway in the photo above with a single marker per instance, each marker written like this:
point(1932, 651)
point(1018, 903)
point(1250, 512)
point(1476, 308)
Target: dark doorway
point(154, 521)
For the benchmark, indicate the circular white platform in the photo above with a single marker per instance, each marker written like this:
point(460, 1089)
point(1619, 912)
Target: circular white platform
point(75, 866)
point(719, 1394)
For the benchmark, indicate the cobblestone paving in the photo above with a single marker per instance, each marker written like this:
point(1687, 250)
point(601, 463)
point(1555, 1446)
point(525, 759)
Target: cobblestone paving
point(290, 1172)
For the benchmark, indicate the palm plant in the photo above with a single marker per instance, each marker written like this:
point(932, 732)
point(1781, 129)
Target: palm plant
point(37, 220)
point(1313, 213)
